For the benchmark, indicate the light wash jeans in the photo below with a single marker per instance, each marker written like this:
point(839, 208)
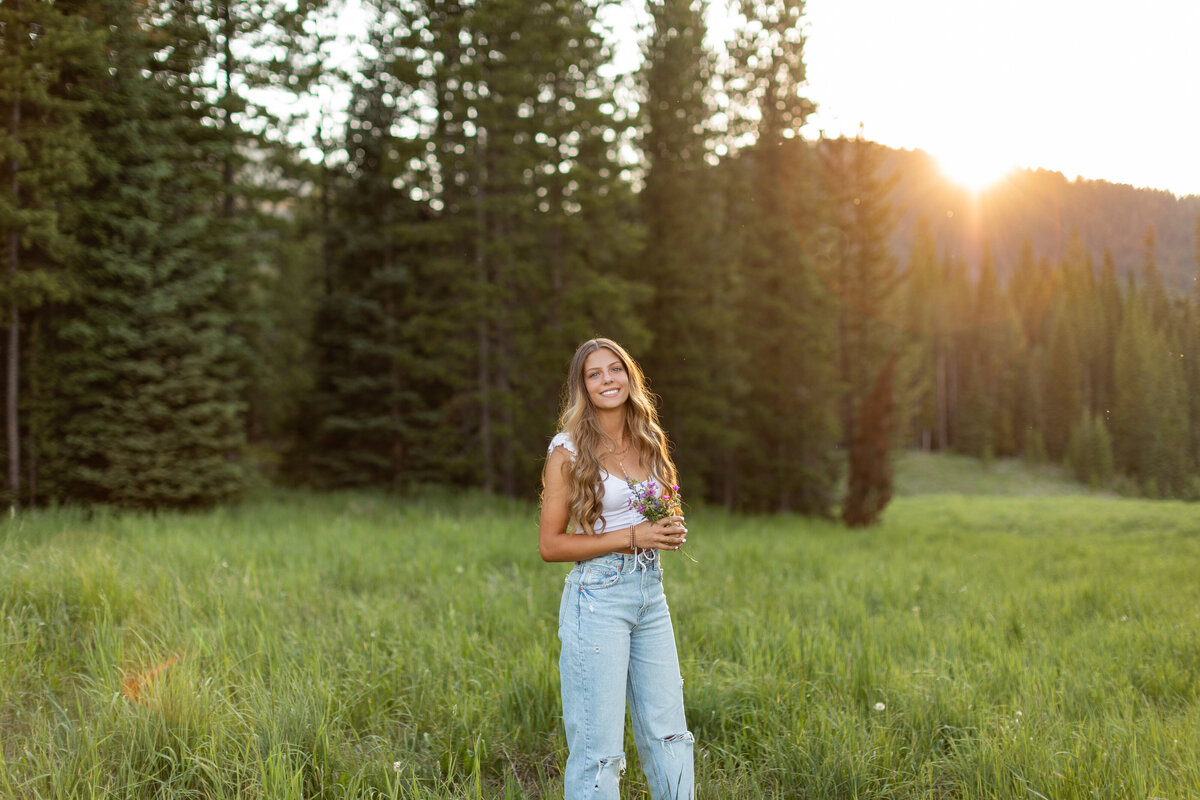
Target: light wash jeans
point(617, 643)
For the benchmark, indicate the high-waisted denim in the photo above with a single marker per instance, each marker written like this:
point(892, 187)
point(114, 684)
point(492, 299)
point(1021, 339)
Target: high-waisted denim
point(617, 644)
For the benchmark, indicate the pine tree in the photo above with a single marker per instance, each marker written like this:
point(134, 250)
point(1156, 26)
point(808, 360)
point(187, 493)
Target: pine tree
point(919, 309)
point(985, 422)
point(1086, 308)
point(490, 126)
point(372, 417)
point(870, 484)
point(256, 48)
point(1150, 408)
point(691, 361)
point(1111, 307)
point(860, 272)
point(1063, 396)
point(1031, 294)
point(1152, 287)
point(42, 51)
point(862, 276)
point(952, 336)
point(530, 124)
point(788, 460)
point(1191, 361)
point(1089, 453)
point(151, 415)
point(974, 427)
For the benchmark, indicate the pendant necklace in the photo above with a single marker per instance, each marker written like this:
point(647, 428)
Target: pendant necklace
point(621, 461)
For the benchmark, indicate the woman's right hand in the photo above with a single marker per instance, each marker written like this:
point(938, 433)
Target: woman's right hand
point(668, 533)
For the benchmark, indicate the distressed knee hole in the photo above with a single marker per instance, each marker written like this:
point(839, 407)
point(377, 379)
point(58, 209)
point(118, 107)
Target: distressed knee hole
point(610, 770)
point(669, 742)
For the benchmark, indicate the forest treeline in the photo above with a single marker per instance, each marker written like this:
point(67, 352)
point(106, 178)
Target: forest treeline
point(195, 303)
point(1044, 209)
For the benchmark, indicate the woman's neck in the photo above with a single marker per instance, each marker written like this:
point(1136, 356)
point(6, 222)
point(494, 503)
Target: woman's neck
point(612, 422)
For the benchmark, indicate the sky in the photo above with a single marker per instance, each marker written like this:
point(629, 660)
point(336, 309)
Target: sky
point(1099, 89)
point(1093, 88)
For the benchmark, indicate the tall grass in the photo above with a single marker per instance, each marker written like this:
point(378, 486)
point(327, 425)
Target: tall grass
point(359, 645)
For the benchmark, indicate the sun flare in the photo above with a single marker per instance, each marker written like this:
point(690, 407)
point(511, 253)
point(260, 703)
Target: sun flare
point(972, 167)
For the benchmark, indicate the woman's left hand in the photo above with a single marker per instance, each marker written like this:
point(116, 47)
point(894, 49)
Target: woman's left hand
point(668, 533)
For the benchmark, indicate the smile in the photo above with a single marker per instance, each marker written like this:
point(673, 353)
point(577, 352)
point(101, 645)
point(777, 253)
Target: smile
point(610, 392)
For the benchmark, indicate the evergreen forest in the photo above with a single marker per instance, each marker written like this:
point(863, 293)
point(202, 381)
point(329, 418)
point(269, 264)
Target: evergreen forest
point(214, 278)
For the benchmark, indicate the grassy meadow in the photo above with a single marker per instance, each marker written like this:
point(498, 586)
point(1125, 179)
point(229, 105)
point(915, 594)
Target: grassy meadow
point(1003, 634)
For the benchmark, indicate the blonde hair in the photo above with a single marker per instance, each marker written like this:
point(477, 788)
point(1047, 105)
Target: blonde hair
point(579, 420)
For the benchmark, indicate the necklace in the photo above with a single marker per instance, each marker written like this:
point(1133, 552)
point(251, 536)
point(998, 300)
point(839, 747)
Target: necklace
point(620, 461)
point(624, 471)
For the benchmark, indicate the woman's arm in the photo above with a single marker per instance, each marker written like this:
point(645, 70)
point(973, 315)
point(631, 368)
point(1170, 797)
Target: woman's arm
point(555, 544)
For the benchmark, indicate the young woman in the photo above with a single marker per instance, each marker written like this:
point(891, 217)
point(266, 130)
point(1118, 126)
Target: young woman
point(613, 622)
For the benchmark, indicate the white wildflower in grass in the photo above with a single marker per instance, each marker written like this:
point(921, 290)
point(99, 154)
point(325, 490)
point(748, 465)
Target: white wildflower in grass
point(880, 707)
point(459, 569)
point(397, 766)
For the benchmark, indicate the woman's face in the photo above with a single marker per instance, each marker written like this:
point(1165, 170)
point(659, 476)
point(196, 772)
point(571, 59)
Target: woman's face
point(605, 379)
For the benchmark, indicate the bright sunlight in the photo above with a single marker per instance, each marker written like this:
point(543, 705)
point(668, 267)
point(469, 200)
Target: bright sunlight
point(972, 167)
point(1027, 82)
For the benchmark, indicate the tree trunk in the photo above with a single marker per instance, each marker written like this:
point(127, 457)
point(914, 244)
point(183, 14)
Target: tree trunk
point(326, 224)
point(227, 30)
point(505, 358)
point(728, 478)
point(390, 322)
point(32, 433)
point(942, 410)
point(555, 244)
point(482, 329)
point(849, 388)
point(14, 325)
point(781, 457)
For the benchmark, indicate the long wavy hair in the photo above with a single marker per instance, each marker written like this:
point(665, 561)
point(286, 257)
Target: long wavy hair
point(580, 421)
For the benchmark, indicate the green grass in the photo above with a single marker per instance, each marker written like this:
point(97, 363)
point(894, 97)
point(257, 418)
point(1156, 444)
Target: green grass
point(919, 473)
point(358, 645)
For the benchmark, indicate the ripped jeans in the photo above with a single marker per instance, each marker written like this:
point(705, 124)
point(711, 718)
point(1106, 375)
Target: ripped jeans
point(618, 644)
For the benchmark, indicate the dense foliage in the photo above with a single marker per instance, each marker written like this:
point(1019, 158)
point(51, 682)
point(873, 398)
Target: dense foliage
point(192, 299)
point(1043, 208)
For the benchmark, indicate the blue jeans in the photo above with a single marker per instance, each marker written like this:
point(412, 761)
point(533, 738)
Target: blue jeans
point(617, 644)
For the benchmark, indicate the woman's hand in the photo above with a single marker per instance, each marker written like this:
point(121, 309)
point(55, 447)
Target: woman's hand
point(668, 533)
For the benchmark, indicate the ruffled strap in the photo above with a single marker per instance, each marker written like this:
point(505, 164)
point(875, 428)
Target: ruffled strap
point(562, 439)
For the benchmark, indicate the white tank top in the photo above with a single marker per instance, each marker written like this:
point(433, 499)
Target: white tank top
point(615, 503)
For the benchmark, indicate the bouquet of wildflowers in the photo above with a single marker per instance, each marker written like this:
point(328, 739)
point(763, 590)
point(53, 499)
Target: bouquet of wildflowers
point(652, 504)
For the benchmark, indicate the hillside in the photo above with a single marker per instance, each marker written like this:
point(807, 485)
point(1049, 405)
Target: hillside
point(1046, 209)
point(921, 473)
